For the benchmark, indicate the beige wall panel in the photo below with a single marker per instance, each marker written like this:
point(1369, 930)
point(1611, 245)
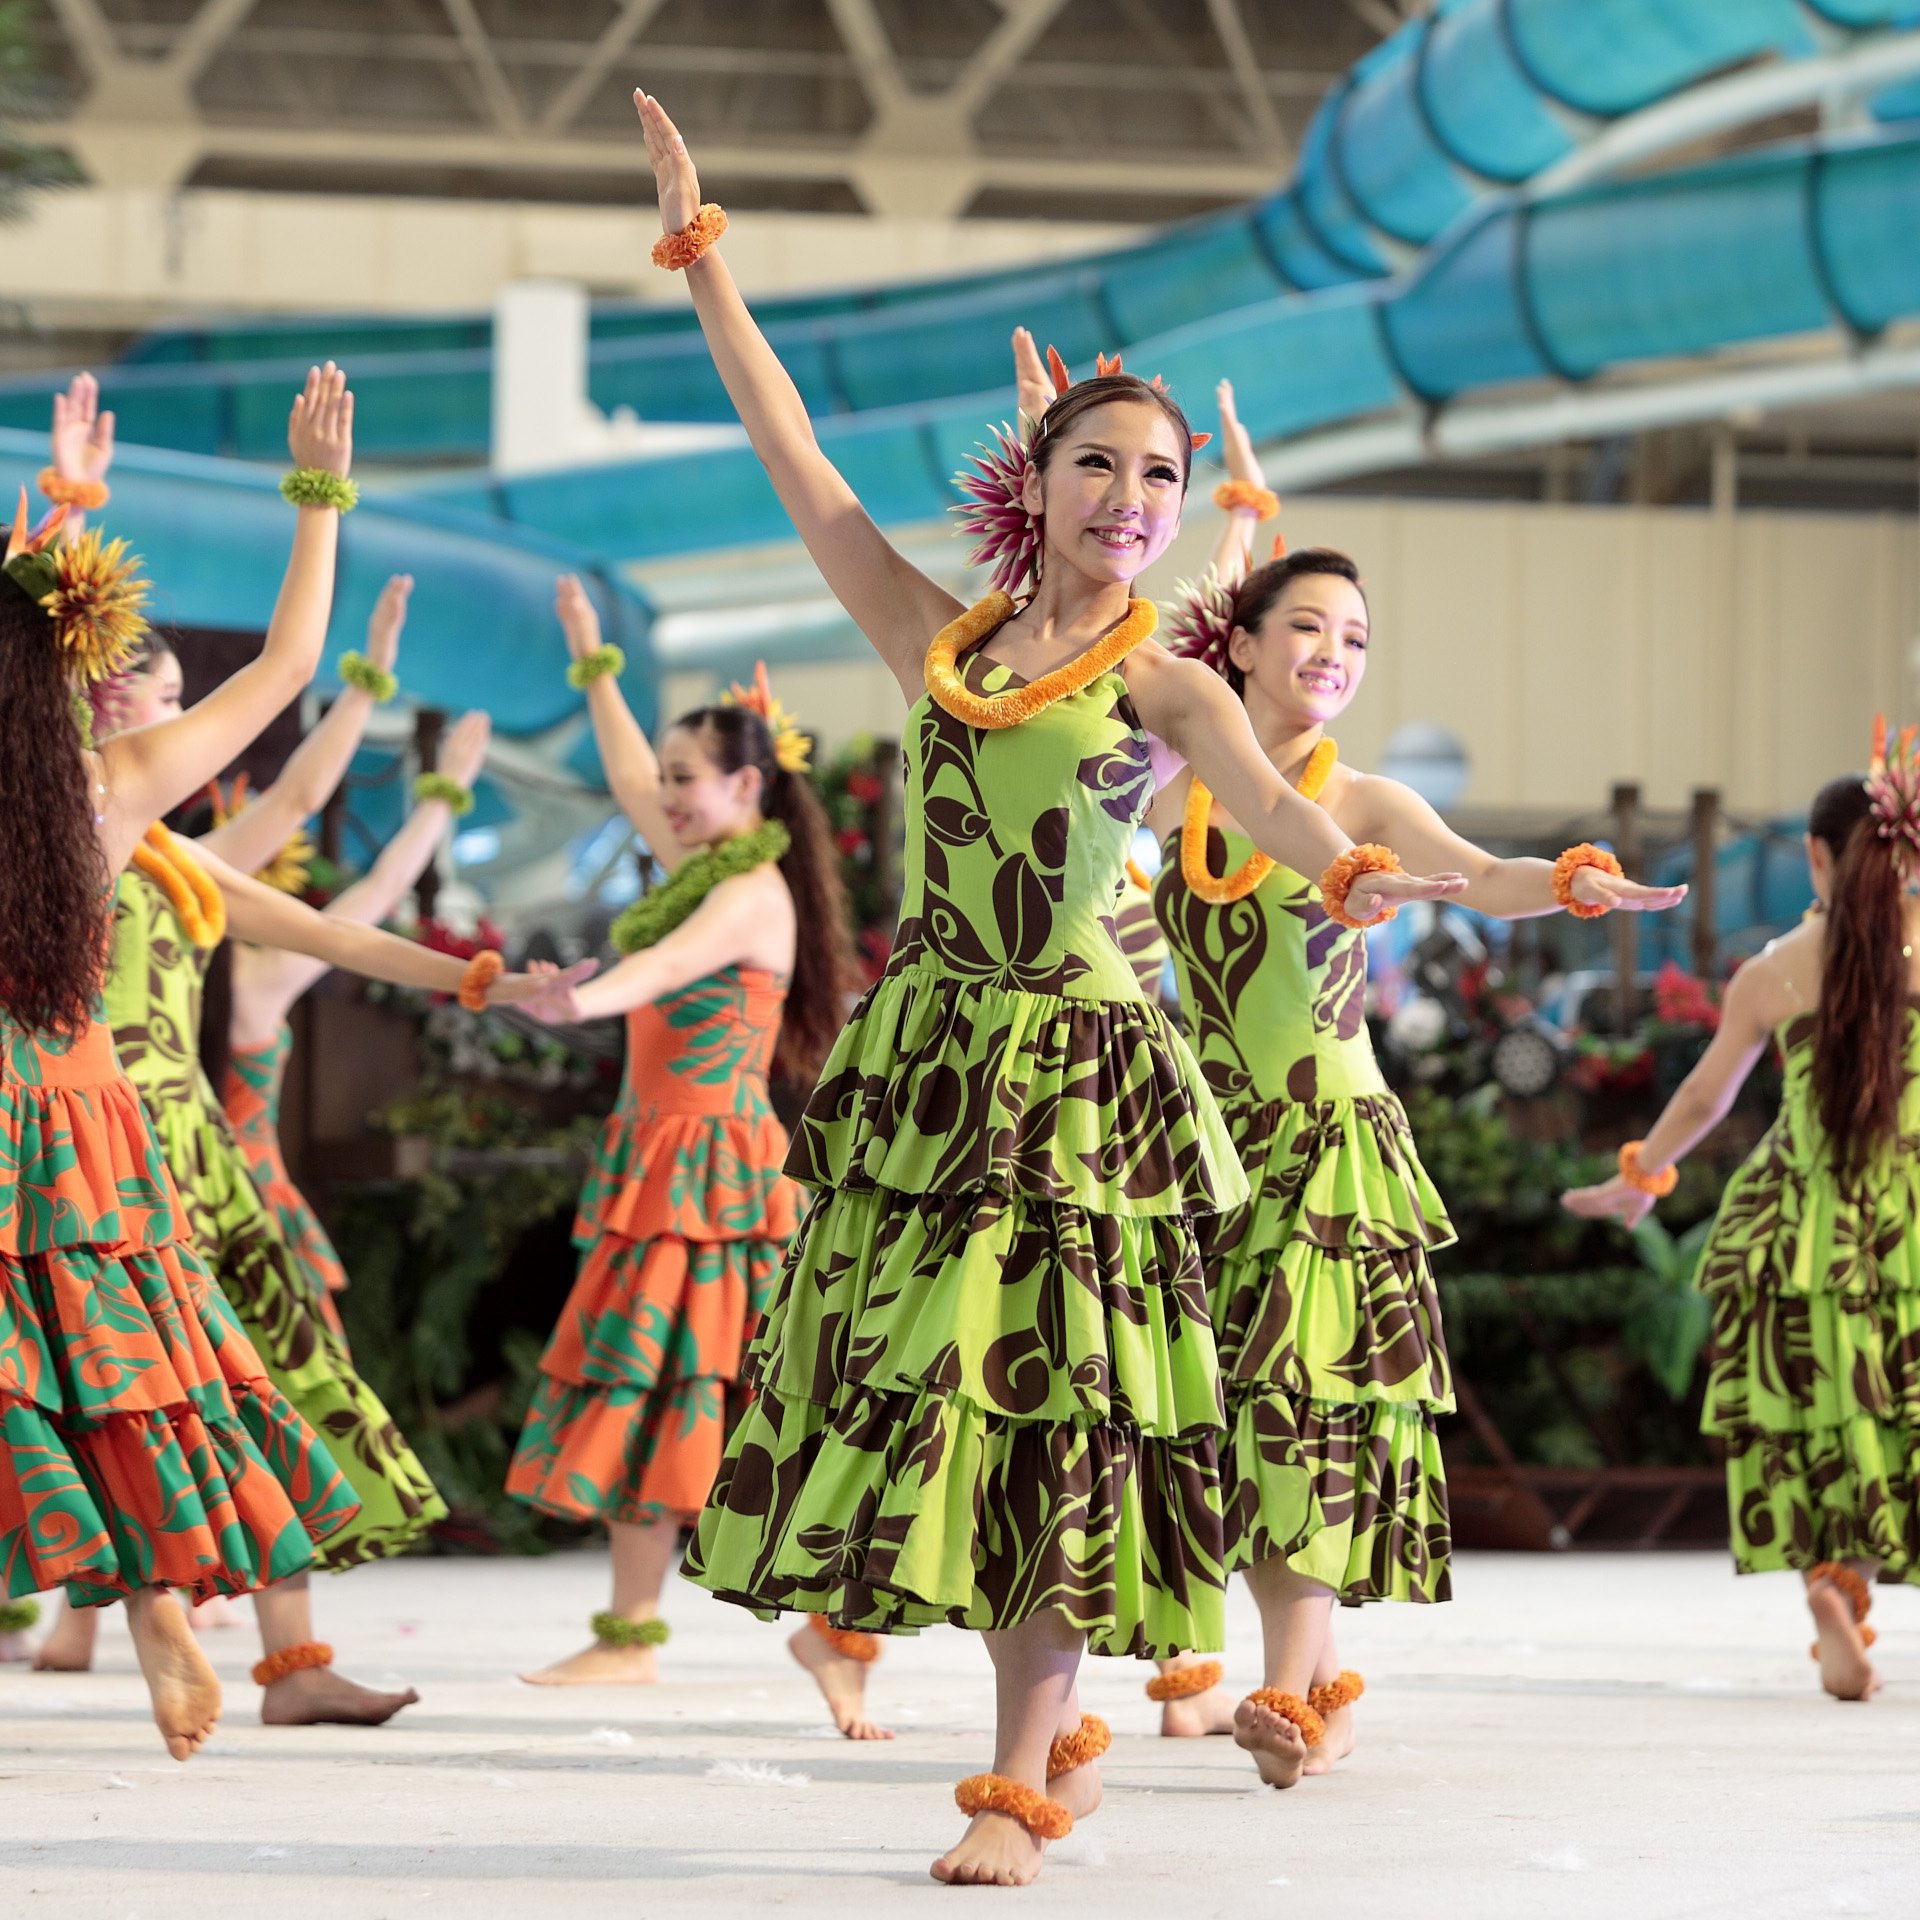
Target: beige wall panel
point(1681, 693)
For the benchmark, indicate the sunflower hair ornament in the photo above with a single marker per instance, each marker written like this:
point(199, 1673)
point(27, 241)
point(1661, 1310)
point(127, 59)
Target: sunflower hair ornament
point(792, 750)
point(991, 513)
point(1893, 790)
point(90, 588)
point(291, 867)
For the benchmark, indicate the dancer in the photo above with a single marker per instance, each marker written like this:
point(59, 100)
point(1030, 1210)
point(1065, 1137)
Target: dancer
point(686, 1213)
point(1319, 1288)
point(1810, 1267)
point(143, 1448)
point(985, 1391)
point(175, 904)
point(268, 981)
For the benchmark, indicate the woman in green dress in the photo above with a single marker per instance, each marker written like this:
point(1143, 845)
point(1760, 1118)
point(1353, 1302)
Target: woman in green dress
point(985, 1389)
point(1319, 1290)
point(1813, 1265)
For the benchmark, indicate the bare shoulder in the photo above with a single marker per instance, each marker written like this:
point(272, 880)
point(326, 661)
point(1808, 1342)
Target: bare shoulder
point(1359, 801)
point(1783, 978)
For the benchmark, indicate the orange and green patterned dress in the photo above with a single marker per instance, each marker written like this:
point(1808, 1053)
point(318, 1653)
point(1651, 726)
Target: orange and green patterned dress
point(682, 1226)
point(251, 1097)
point(141, 1440)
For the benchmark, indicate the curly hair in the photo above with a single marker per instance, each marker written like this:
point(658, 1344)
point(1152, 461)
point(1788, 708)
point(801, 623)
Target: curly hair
point(54, 879)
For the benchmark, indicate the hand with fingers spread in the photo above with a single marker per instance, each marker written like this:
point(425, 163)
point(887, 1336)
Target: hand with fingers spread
point(673, 170)
point(464, 751)
point(1033, 389)
point(82, 435)
point(320, 429)
point(385, 622)
point(579, 618)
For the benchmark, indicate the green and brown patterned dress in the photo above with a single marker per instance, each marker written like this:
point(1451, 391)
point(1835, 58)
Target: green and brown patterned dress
point(1813, 1378)
point(153, 997)
point(986, 1387)
point(1322, 1298)
point(141, 1442)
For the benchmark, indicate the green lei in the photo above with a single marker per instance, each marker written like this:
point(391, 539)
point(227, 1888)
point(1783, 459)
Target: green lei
point(655, 915)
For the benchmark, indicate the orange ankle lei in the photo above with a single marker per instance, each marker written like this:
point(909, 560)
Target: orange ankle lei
point(1087, 1742)
point(169, 863)
point(1184, 1682)
point(864, 1647)
point(1289, 1706)
point(994, 1793)
point(1257, 865)
point(1336, 1694)
point(996, 710)
point(290, 1660)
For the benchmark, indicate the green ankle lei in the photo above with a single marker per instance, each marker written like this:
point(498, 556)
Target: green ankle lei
point(612, 1631)
point(656, 914)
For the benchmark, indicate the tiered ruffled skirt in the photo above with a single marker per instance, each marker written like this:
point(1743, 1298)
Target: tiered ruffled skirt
point(986, 1387)
point(681, 1226)
point(1813, 1380)
point(141, 1441)
point(1331, 1350)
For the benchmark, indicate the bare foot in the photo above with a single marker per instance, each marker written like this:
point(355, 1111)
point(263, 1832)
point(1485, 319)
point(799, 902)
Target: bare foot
point(1198, 1714)
point(1275, 1742)
point(1845, 1670)
point(15, 1647)
point(996, 1851)
point(599, 1666)
point(217, 1612)
point(186, 1696)
point(318, 1696)
point(1335, 1744)
point(68, 1648)
point(843, 1683)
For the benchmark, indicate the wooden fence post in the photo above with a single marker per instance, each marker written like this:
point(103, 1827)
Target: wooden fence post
point(1705, 830)
point(429, 724)
point(1623, 932)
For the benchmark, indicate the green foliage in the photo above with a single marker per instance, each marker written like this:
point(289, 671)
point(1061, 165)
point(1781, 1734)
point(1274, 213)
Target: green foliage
point(1668, 1325)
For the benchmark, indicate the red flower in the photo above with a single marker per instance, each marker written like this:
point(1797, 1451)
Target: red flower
point(865, 787)
point(851, 841)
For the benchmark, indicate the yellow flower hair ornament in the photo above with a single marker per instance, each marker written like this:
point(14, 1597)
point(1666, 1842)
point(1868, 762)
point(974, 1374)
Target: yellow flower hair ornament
point(90, 588)
point(792, 750)
point(290, 868)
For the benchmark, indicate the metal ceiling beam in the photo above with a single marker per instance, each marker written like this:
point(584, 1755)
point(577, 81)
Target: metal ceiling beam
point(1232, 30)
point(621, 32)
point(497, 96)
point(205, 35)
point(1022, 23)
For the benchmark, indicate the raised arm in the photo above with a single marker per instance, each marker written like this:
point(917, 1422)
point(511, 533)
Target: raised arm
point(1233, 551)
point(892, 602)
point(633, 774)
point(319, 763)
point(151, 770)
point(1758, 998)
point(1373, 808)
point(1195, 712)
point(80, 449)
point(271, 979)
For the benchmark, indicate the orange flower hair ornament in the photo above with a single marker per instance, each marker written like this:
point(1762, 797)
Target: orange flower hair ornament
point(1893, 789)
point(991, 513)
point(792, 750)
point(90, 588)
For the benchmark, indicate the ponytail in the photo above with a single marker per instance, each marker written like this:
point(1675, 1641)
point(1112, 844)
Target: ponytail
point(824, 972)
point(1859, 1046)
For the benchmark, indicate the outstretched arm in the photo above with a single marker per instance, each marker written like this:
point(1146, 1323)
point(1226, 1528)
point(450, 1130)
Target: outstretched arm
point(1757, 1000)
point(151, 770)
point(319, 763)
point(1195, 712)
point(633, 774)
point(892, 602)
point(1384, 810)
point(277, 978)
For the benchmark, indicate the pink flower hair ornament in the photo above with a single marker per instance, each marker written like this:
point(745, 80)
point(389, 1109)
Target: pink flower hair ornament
point(1893, 791)
point(1006, 536)
point(1201, 621)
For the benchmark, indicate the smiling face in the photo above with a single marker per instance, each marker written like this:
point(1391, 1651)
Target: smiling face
point(703, 803)
point(1309, 653)
point(1110, 495)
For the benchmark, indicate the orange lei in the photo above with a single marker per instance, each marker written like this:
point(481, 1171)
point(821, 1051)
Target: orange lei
point(995, 710)
point(1088, 1741)
point(1289, 1706)
point(1336, 1693)
point(1255, 868)
point(190, 889)
point(994, 1793)
point(1566, 870)
point(1183, 1682)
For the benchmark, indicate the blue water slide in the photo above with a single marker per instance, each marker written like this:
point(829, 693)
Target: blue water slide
point(1759, 247)
point(215, 537)
point(1474, 95)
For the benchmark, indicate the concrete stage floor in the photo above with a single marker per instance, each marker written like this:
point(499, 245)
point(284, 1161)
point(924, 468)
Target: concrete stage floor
point(1586, 1735)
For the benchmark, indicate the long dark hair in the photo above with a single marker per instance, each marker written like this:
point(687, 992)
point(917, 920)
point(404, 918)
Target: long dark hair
point(1860, 1026)
point(1103, 389)
point(1256, 595)
point(824, 973)
point(53, 879)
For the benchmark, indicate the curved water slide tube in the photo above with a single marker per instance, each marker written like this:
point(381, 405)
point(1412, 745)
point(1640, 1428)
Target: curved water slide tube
point(1475, 97)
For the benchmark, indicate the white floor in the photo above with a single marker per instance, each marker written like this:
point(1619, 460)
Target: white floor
point(1631, 1737)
